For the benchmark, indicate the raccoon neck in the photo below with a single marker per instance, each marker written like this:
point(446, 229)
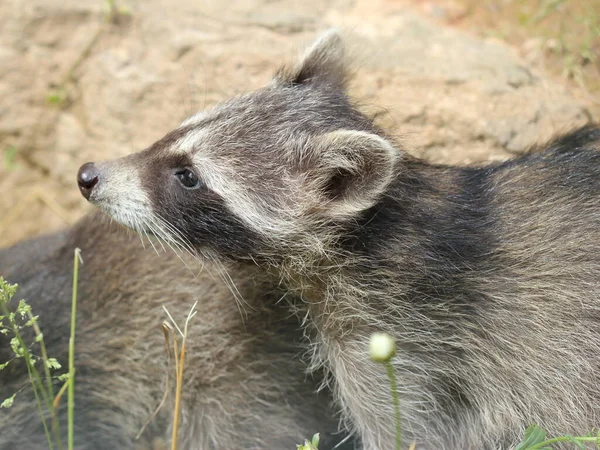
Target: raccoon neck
point(411, 259)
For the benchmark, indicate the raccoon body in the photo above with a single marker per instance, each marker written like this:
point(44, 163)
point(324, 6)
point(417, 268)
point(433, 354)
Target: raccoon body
point(487, 277)
point(245, 382)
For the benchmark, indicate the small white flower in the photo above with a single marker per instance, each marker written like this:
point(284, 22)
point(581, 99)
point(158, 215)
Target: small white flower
point(383, 347)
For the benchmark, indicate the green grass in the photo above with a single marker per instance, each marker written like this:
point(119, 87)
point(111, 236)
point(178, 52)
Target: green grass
point(41, 368)
point(71, 393)
point(57, 97)
point(567, 33)
point(9, 158)
point(535, 438)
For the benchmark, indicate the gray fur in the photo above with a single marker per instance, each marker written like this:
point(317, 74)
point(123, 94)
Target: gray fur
point(488, 278)
point(245, 382)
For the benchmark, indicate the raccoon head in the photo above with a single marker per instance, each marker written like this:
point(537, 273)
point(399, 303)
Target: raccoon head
point(260, 172)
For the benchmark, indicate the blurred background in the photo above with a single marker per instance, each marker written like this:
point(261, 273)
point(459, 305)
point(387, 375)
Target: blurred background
point(464, 81)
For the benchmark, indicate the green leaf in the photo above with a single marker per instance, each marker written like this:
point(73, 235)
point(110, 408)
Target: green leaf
point(23, 308)
point(57, 97)
point(31, 321)
point(310, 445)
point(8, 402)
point(16, 347)
point(3, 365)
point(7, 290)
point(533, 435)
point(52, 363)
point(315, 440)
point(10, 155)
point(576, 442)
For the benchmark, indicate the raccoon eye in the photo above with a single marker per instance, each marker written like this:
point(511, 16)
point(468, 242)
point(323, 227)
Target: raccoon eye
point(188, 178)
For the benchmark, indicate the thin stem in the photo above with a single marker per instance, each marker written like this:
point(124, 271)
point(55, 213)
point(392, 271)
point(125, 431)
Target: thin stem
point(50, 387)
point(62, 390)
point(177, 395)
point(178, 392)
point(34, 376)
point(39, 404)
point(71, 391)
point(179, 366)
point(564, 439)
point(167, 330)
point(396, 397)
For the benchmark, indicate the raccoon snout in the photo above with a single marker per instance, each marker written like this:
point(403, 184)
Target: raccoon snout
point(87, 178)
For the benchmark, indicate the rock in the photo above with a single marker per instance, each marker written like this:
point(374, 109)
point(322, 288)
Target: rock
point(446, 95)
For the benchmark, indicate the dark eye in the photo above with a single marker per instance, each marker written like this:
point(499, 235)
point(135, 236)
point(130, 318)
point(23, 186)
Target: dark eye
point(188, 178)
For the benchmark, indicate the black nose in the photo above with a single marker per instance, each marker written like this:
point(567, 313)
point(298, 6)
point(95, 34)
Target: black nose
point(87, 178)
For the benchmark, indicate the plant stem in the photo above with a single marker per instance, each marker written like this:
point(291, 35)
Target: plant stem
point(177, 395)
point(41, 410)
point(61, 392)
point(71, 391)
point(396, 397)
point(49, 385)
point(166, 329)
point(564, 439)
point(179, 366)
point(34, 378)
point(179, 389)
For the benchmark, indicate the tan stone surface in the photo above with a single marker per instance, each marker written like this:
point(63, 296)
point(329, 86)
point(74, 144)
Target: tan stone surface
point(450, 97)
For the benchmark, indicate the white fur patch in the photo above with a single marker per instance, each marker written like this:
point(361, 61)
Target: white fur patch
point(196, 118)
point(119, 193)
point(191, 142)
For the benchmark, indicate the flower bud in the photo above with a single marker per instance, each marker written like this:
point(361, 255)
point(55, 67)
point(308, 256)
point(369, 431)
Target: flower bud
point(382, 347)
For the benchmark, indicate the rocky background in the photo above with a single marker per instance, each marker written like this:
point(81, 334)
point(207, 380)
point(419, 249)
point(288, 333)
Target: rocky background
point(80, 82)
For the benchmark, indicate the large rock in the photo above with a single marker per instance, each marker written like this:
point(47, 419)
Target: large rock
point(448, 96)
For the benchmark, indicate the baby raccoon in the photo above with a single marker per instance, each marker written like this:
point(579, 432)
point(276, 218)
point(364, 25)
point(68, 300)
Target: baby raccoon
point(487, 277)
point(245, 384)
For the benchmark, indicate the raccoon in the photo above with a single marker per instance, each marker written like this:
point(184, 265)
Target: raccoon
point(245, 381)
point(487, 277)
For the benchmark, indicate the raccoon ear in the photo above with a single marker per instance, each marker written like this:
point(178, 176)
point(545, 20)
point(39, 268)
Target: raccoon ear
point(350, 170)
point(325, 61)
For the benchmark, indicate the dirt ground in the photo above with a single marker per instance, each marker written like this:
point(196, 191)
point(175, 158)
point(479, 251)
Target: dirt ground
point(451, 79)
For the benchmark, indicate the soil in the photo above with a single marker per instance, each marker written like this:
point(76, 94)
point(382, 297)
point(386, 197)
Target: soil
point(78, 84)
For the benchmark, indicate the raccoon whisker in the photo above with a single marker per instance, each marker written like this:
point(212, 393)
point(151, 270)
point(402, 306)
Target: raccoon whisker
point(177, 239)
point(153, 233)
point(169, 232)
point(162, 237)
point(240, 301)
point(168, 239)
point(145, 238)
point(173, 245)
point(141, 240)
point(143, 230)
point(177, 236)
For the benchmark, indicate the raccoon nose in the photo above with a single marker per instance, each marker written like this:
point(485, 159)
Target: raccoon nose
point(87, 178)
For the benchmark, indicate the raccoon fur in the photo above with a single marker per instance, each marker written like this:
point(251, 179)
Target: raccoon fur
point(245, 382)
point(487, 278)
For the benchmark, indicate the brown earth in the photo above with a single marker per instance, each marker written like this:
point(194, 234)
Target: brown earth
point(75, 86)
